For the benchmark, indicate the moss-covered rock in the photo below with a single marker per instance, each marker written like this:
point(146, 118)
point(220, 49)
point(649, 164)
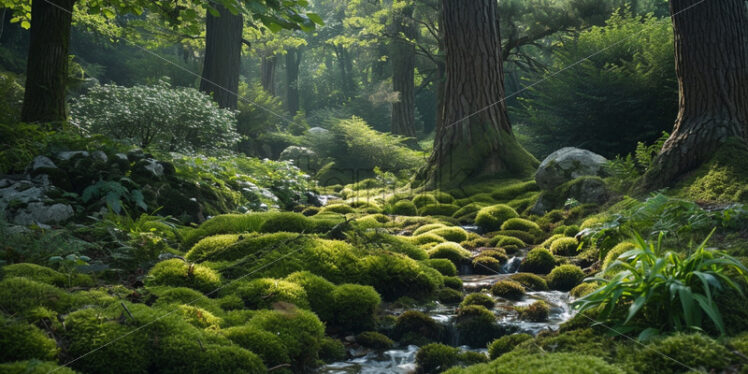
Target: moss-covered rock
point(300, 331)
point(565, 277)
point(542, 363)
point(497, 253)
point(18, 296)
point(426, 238)
point(506, 241)
point(199, 317)
point(33, 367)
point(448, 296)
point(443, 265)
point(264, 293)
point(475, 325)
point(46, 275)
point(519, 224)
point(173, 296)
point(538, 311)
point(613, 255)
point(336, 208)
point(180, 354)
point(452, 233)
point(179, 273)
point(22, 341)
point(691, 350)
point(525, 237)
point(478, 298)
point(424, 199)
point(332, 350)
point(454, 283)
point(416, 327)
point(450, 251)
point(538, 260)
point(508, 289)
point(268, 346)
point(486, 265)
point(492, 217)
point(394, 276)
point(506, 344)
point(354, 307)
point(374, 340)
point(438, 210)
point(435, 358)
point(319, 292)
point(583, 289)
point(530, 281)
point(212, 246)
point(404, 208)
point(564, 246)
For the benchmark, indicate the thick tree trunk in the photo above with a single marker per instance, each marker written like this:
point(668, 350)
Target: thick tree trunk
point(403, 74)
point(711, 60)
point(267, 68)
point(293, 60)
point(475, 139)
point(223, 51)
point(47, 65)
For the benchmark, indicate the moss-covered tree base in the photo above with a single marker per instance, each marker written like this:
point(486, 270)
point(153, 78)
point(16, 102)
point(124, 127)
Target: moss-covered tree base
point(724, 178)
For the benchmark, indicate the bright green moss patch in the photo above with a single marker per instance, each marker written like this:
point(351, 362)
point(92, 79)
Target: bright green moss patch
point(538, 311)
point(486, 265)
point(491, 218)
point(263, 293)
point(564, 247)
point(394, 276)
point(692, 350)
point(428, 227)
point(583, 289)
point(543, 363)
point(723, 178)
point(438, 210)
point(374, 340)
point(300, 331)
point(178, 273)
point(519, 224)
point(522, 236)
point(199, 317)
point(338, 208)
point(424, 199)
point(506, 344)
point(212, 245)
point(354, 306)
point(404, 208)
point(443, 265)
point(33, 367)
point(22, 341)
point(496, 253)
point(565, 277)
point(453, 233)
point(20, 295)
point(265, 344)
point(426, 238)
point(503, 241)
point(508, 289)
point(530, 281)
point(478, 298)
point(318, 291)
point(183, 295)
point(538, 260)
point(451, 251)
point(46, 275)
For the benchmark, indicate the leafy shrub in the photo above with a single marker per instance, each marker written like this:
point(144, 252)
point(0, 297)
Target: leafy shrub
point(354, 307)
point(692, 350)
point(374, 340)
point(263, 293)
point(171, 119)
point(491, 218)
point(478, 298)
point(486, 265)
point(451, 251)
point(508, 289)
point(519, 224)
point(538, 311)
point(178, 273)
point(505, 344)
point(21, 341)
point(673, 293)
point(564, 246)
point(404, 208)
point(565, 277)
point(530, 281)
point(258, 123)
point(11, 98)
point(443, 265)
point(539, 261)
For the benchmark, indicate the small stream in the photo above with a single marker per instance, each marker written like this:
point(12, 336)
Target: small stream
point(402, 359)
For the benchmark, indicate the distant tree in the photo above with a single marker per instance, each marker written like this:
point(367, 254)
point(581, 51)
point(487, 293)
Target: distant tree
point(403, 57)
point(223, 53)
point(711, 59)
point(475, 139)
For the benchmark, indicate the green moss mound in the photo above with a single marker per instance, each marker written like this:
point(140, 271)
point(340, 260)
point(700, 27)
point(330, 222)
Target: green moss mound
point(20, 295)
point(613, 255)
point(426, 238)
point(318, 291)
point(583, 289)
point(33, 367)
point(416, 327)
point(394, 276)
point(300, 331)
point(564, 247)
point(337, 208)
point(519, 224)
point(692, 350)
point(354, 307)
point(450, 251)
point(538, 260)
point(491, 218)
point(212, 246)
point(269, 347)
point(506, 241)
point(530, 281)
point(178, 273)
point(183, 295)
point(374, 340)
point(565, 277)
point(438, 210)
point(448, 296)
point(547, 363)
point(453, 283)
point(486, 265)
point(182, 355)
point(428, 227)
point(332, 350)
point(404, 208)
point(723, 178)
point(264, 293)
point(443, 266)
point(424, 199)
point(506, 344)
point(46, 275)
point(435, 357)
point(538, 311)
point(523, 236)
point(452, 233)
point(497, 253)
point(478, 298)
point(508, 289)
point(476, 326)
point(21, 341)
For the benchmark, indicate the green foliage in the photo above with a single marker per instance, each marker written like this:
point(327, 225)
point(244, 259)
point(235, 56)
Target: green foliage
point(21, 341)
point(625, 171)
point(491, 218)
point(583, 289)
point(374, 340)
point(21, 295)
point(613, 255)
point(114, 194)
point(264, 293)
point(11, 97)
point(404, 208)
point(179, 273)
point(564, 246)
point(300, 331)
point(451, 251)
point(508, 289)
point(478, 298)
point(354, 307)
point(539, 261)
point(443, 265)
point(505, 344)
point(530, 281)
point(565, 277)
point(33, 367)
point(623, 78)
point(692, 350)
point(167, 118)
point(672, 292)
point(257, 122)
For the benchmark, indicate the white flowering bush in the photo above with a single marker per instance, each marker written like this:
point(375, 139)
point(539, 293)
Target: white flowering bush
point(167, 118)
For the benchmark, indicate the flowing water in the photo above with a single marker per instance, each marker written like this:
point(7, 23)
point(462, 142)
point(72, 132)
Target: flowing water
point(402, 359)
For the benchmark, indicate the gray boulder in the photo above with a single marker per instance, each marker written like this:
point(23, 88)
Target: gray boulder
point(567, 164)
point(41, 213)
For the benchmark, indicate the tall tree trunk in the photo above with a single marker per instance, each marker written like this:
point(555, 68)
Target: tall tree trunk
point(267, 67)
point(293, 60)
point(403, 73)
point(346, 72)
point(711, 61)
point(47, 65)
point(475, 139)
point(223, 51)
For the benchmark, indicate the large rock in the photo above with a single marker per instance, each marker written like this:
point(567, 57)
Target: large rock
point(567, 164)
point(41, 213)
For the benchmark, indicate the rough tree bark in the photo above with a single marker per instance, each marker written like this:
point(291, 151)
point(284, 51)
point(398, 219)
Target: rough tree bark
point(475, 138)
point(267, 79)
point(403, 73)
point(223, 50)
point(47, 64)
point(711, 60)
point(293, 60)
